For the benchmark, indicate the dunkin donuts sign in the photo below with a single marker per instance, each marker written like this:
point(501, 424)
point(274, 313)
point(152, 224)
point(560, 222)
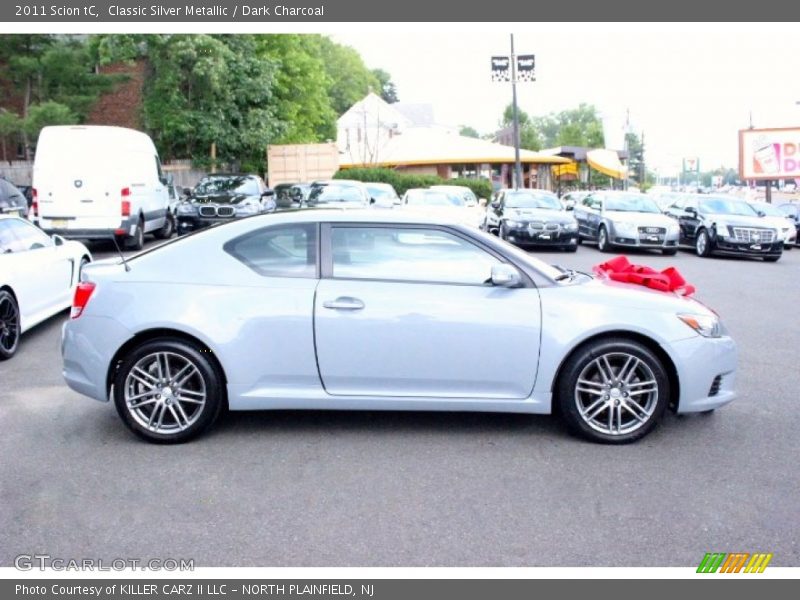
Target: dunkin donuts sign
point(769, 153)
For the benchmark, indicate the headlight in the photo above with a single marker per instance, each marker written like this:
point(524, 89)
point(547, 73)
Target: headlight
point(626, 229)
point(186, 208)
point(248, 208)
point(706, 325)
point(512, 223)
point(570, 226)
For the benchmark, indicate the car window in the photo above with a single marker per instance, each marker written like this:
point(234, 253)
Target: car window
point(787, 209)
point(408, 254)
point(279, 251)
point(24, 236)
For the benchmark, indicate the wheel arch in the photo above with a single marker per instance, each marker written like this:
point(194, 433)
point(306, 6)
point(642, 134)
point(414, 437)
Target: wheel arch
point(163, 332)
point(648, 342)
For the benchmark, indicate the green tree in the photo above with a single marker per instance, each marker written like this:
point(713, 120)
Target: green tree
point(301, 88)
point(47, 113)
point(349, 80)
point(529, 138)
point(10, 126)
point(387, 87)
point(468, 131)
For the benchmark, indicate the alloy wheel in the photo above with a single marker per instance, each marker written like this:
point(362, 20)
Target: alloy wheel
point(616, 393)
point(165, 392)
point(9, 324)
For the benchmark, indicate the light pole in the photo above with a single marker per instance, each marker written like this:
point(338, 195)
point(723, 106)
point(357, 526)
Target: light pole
point(515, 119)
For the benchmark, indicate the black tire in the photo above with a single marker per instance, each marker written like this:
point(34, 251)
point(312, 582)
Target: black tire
point(568, 397)
point(772, 258)
point(669, 251)
point(136, 241)
point(9, 325)
point(580, 240)
point(207, 378)
point(702, 244)
point(602, 240)
point(501, 232)
point(167, 230)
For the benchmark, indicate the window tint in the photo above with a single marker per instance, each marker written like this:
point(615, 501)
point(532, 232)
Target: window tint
point(280, 251)
point(24, 236)
point(408, 254)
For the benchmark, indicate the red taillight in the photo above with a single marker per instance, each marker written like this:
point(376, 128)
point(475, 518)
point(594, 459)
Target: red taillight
point(82, 294)
point(35, 203)
point(126, 204)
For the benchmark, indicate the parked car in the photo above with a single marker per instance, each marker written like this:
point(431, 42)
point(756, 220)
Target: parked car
point(382, 195)
point(113, 186)
point(338, 193)
point(327, 295)
point(772, 216)
point(221, 197)
point(300, 193)
point(12, 200)
point(626, 219)
point(441, 204)
point(38, 275)
point(723, 225)
point(792, 211)
point(531, 218)
point(283, 195)
point(570, 199)
point(470, 200)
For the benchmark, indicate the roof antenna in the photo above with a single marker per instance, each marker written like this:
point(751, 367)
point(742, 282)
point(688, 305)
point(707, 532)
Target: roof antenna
point(121, 255)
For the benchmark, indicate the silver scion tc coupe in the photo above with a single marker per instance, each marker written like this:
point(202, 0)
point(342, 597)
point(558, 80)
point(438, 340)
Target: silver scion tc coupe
point(332, 309)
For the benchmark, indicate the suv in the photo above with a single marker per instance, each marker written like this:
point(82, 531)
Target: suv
point(725, 225)
point(221, 197)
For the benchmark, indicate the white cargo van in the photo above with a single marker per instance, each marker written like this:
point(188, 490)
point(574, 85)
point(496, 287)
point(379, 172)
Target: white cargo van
point(97, 182)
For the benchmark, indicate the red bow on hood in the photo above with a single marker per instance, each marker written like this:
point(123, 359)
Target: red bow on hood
point(668, 280)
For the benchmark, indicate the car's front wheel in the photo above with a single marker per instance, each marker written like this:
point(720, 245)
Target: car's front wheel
point(167, 229)
point(9, 325)
point(602, 239)
point(168, 391)
point(613, 391)
point(702, 244)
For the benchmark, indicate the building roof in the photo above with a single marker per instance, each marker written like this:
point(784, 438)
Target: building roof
point(432, 146)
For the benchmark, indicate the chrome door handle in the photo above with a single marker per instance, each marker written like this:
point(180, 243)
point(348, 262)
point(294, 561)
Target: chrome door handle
point(344, 303)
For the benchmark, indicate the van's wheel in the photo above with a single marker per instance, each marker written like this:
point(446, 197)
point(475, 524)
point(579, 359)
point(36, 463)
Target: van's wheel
point(9, 325)
point(168, 391)
point(612, 391)
point(168, 229)
point(136, 241)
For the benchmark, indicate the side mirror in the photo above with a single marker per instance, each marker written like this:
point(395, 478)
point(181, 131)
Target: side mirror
point(690, 210)
point(372, 200)
point(761, 213)
point(57, 240)
point(569, 207)
point(505, 275)
point(186, 192)
point(495, 204)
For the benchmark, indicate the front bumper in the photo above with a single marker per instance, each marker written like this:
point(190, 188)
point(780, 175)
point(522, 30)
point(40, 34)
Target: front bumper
point(188, 223)
point(644, 239)
point(127, 227)
point(706, 371)
point(723, 246)
point(525, 236)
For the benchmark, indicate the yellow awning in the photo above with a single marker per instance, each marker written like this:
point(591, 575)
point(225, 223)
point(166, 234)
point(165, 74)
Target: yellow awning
point(607, 162)
point(565, 170)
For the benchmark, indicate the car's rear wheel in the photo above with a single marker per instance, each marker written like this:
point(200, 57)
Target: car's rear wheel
point(168, 391)
point(669, 251)
point(613, 391)
point(9, 325)
point(136, 241)
point(602, 239)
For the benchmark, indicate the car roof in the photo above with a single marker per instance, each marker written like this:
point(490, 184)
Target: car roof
point(367, 215)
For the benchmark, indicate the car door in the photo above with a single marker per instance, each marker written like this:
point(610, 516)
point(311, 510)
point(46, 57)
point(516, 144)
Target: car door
point(407, 311)
point(689, 221)
point(44, 272)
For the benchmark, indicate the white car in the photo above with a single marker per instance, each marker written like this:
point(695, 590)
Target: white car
point(38, 275)
point(775, 218)
point(439, 203)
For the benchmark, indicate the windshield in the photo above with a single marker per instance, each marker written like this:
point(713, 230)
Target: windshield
point(768, 209)
point(726, 206)
point(532, 200)
point(631, 203)
point(227, 185)
point(381, 191)
point(329, 193)
point(431, 198)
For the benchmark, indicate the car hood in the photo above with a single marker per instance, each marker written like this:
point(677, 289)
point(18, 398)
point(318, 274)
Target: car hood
point(543, 214)
point(640, 218)
point(221, 199)
point(738, 220)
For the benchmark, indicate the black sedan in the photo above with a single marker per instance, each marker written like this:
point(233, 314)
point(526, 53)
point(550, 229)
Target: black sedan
point(725, 225)
point(531, 218)
point(222, 197)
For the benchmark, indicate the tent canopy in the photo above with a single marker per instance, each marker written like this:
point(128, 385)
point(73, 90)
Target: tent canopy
point(607, 162)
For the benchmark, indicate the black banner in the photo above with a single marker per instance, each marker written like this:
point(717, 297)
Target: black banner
point(175, 11)
point(501, 68)
point(526, 67)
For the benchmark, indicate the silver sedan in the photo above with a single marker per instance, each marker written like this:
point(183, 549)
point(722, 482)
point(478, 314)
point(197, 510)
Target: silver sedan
point(375, 310)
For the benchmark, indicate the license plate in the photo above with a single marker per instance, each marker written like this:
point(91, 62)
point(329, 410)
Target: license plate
point(59, 223)
point(544, 236)
point(755, 247)
point(652, 238)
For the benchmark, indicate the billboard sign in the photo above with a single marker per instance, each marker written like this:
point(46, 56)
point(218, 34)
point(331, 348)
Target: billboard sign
point(769, 153)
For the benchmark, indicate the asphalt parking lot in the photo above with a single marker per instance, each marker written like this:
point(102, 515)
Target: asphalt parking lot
point(420, 489)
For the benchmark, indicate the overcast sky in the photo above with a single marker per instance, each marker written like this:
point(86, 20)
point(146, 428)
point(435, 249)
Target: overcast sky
point(689, 88)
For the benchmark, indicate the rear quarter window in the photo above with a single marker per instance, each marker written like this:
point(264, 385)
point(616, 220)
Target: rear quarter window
point(278, 251)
